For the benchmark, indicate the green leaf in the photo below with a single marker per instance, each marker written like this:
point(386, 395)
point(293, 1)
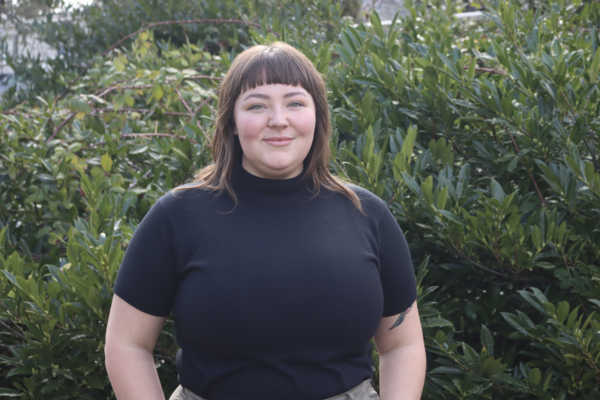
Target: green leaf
point(53, 385)
point(487, 340)
point(572, 318)
point(411, 183)
point(497, 191)
point(547, 382)
point(562, 312)
point(447, 370)
point(19, 371)
point(10, 393)
point(442, 198)
point(574, 166)
point(516, 323)
point(22, 283)
point(106, 162)
point(536, 237)
point(435, 322)
point(409, 143)
point(180, 154)
point(471, 72)
point(73, 252)
point(94, 382)
point(118, 64)
point(507, 107)
point(440, 337)
point(366, 80)
point(589, 172)
point(12, 278)
point(421, 62)
point(551, 308)
point(427, 189)
point(451, 217)
point(490, 367)
point(376, 23)
point(593, 71)
point(366, 104)
point(450, 66)
point(535, 376)
point(158, 92)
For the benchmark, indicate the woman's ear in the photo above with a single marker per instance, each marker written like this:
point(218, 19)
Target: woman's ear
point(235, 132)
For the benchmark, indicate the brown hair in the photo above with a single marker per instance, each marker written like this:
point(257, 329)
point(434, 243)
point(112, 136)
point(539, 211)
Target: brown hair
point(260, 65)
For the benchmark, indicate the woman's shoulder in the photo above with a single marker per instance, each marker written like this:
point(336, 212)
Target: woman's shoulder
point(365, 195)
point(187, 196)
point(372, 204)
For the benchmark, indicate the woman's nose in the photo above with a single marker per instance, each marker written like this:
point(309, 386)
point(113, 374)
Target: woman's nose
point(278, 120)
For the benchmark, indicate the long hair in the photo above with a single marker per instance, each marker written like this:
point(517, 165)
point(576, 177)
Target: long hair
point(260, 65)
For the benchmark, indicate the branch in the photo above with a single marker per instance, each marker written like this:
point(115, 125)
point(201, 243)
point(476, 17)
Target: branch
point(14, 113)
point(135, 181)
point(165, 353)
point(138, 110)
point(203, 77)
point(475, 263)
point(494, 71)
point(105, 91)
point(14, 315)
point(183, 101)
point(142, 135)
point(537, 189)
point(592, 153)
point(152, 25)
point(204, 102)
point(66, 121)
point(111, 88)
point(16, 333)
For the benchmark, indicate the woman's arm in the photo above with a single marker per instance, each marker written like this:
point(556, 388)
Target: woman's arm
point(130, 339)
point(399, 341)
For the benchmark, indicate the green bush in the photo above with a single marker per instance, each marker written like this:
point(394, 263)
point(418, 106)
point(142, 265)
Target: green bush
point(91, 30)
point(481, 136)
point(502, 188)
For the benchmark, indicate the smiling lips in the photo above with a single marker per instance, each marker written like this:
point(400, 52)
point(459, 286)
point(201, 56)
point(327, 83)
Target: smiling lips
point(279, 141)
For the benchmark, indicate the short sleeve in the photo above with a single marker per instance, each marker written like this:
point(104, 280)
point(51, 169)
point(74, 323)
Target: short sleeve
point(147, 279)
point(396, 268)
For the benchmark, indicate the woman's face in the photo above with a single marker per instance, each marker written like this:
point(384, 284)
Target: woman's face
point(276, 127)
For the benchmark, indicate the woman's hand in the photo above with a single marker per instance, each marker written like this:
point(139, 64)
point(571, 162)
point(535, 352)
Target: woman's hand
point(399, 341)
point(130, 339)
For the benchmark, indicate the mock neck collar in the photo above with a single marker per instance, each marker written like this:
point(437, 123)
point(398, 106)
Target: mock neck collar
point(245, 184)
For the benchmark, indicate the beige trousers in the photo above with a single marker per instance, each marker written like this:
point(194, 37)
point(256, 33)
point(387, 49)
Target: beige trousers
point(364, 391)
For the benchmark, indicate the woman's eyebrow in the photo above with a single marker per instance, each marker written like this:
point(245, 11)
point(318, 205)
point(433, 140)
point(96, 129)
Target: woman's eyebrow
point(285, 96)
point(264, 96)
point(259, 95)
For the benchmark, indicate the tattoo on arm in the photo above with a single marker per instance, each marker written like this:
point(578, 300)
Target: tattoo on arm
point(401, 317)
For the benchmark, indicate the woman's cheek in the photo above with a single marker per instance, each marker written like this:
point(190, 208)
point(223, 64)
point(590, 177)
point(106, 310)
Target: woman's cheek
point(251, 127)
point(307, 124)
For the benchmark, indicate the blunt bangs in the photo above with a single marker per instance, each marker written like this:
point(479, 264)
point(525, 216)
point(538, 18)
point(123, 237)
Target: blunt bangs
point(274, 65)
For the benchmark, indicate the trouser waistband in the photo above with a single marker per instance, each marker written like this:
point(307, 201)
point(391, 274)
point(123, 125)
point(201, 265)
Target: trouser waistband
point(363, 391)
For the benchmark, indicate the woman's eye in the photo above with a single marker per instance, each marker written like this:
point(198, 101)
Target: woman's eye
point(296, 104)
point(255, 107)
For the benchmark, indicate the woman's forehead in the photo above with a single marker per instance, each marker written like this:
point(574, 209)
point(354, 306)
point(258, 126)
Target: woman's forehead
point(276, 88)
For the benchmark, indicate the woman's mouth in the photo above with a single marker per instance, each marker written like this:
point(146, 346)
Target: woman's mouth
point(279, 141)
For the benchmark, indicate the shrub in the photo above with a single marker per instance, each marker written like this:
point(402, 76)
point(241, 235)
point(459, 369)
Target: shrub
point(501, 190)
point(90, 30)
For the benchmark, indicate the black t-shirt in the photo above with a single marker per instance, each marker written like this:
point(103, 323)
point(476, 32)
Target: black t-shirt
point(275, 298)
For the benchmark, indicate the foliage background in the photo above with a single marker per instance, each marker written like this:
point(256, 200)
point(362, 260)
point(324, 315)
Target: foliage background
point(481, 136)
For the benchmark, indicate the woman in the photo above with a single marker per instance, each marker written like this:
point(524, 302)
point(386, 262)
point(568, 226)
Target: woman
point(278, 274)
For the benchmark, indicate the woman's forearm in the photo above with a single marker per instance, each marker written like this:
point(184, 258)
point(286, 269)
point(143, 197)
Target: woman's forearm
point(132, 373)
point(402, 373)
